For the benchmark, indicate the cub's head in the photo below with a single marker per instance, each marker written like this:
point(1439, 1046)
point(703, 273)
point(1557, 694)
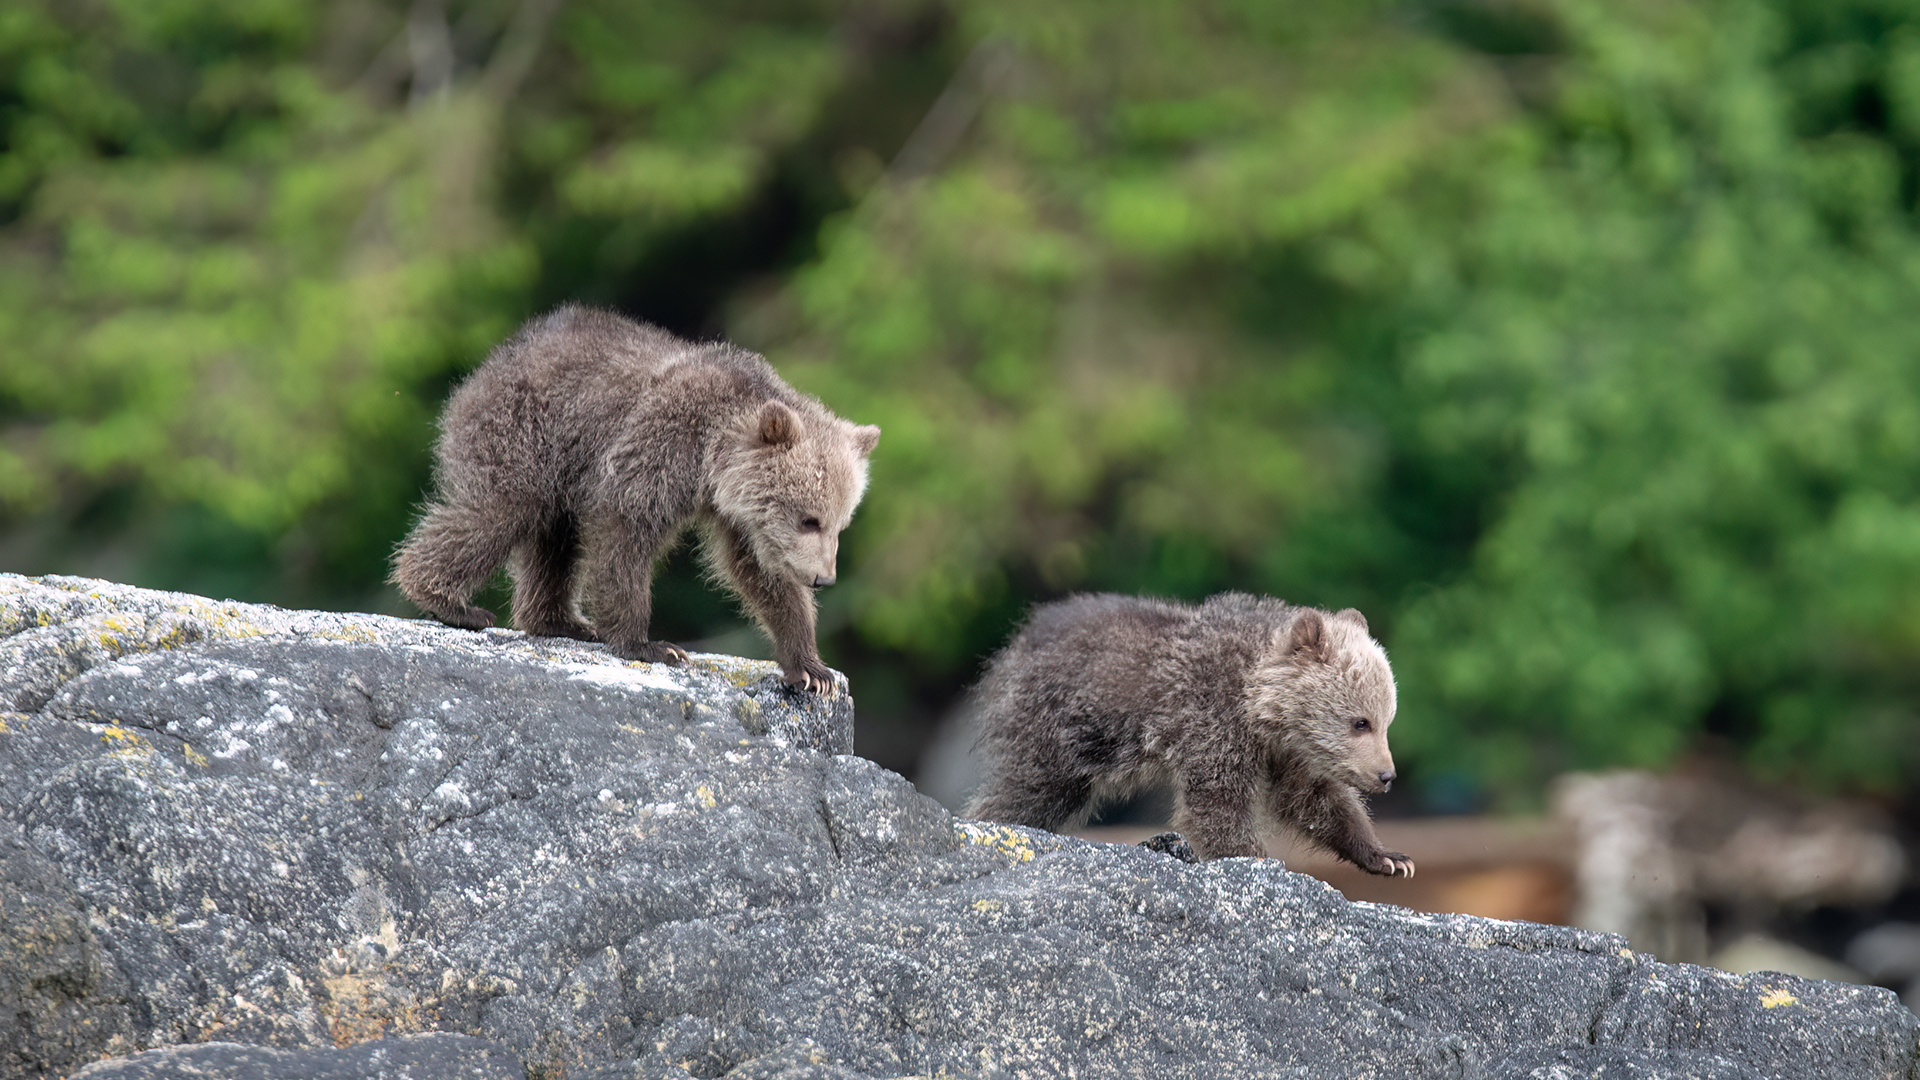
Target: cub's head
point(792, 485)
point(1326, 697)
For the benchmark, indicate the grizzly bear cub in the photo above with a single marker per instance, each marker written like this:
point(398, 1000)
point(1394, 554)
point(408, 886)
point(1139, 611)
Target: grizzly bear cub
point(585, 443)
point(1244, 705)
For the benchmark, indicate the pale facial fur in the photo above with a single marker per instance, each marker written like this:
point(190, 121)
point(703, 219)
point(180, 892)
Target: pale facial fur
point(1336, 706)
point(793, 488)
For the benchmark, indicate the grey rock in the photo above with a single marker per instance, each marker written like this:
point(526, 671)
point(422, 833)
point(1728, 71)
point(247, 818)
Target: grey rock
point(256, 842)
point(407, 1057)
point(61, 1002)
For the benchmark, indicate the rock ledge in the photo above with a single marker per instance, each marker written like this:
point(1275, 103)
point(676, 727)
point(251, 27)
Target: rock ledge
point(236, 840)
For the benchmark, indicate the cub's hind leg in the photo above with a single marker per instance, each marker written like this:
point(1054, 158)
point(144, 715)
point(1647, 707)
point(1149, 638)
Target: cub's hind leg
point(543, 581)
point(447, 556)
point(1045, 802)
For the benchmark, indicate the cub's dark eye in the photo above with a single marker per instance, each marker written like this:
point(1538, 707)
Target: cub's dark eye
point(809, 524)
point(1361, 723)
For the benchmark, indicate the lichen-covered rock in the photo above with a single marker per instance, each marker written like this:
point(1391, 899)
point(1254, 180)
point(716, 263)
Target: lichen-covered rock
point(423, 1057)
point(258, 842)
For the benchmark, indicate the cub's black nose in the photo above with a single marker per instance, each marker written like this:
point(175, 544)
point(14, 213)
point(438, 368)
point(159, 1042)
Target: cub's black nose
point(821, 581)
point(1386, 779)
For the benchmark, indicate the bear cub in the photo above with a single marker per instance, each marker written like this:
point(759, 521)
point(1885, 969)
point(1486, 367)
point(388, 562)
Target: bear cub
point(1246, 706)
point(582, 447)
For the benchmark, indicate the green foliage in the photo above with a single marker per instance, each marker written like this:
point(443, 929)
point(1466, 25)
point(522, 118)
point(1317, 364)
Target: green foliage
point(1590, 376)
point(1038, 327)
point(229, 280)
point(1569, 340)
point(1681, 319)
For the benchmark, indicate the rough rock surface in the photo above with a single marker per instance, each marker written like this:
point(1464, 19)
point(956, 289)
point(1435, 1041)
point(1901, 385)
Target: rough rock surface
point(239, 841)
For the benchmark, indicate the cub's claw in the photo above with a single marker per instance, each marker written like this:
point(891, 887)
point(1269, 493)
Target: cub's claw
point(654, 652)
point(1171, 843)
point(814, 678)
point(1391, 864)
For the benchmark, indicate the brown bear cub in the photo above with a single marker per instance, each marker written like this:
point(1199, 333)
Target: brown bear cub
point(584, 445)
point(1246, 706)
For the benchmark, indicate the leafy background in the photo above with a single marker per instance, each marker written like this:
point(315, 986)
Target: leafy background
point(1574, 342)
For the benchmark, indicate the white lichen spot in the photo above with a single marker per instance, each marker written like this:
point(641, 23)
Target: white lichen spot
point(234, 748)
point(278, 715)
point(282, 869)
point(624, 677)
point(452, 792)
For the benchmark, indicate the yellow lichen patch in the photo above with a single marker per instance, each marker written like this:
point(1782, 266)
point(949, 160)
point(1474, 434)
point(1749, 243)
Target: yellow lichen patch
point(114, 630)
point(124, 740)
point(705, 795)
point(988, 907)
point(748, 714)
point(195, 756)
point(225, 621)
point(1001, 838)
point(1774, 999)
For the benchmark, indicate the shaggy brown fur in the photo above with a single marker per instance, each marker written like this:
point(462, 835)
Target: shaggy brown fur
point(584, 445)
point(1244, 705)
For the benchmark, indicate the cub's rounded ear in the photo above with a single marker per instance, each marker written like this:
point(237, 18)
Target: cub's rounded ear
point(777, 425)
point(1308, 635)
point(865, 438)
point(1352, 616)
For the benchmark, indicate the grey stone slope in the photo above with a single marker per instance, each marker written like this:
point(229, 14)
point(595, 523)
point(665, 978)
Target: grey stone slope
point(239, 841)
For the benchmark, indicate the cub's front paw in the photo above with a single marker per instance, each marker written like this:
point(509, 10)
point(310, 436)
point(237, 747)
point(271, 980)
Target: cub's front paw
point(1171, 843)
point(653, 652)
point(813, 677)
point(564, 628)
point(455, 613)
point(1389, 864)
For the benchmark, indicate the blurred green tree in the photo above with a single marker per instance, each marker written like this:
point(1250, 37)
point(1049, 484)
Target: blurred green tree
point(1570, 340)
